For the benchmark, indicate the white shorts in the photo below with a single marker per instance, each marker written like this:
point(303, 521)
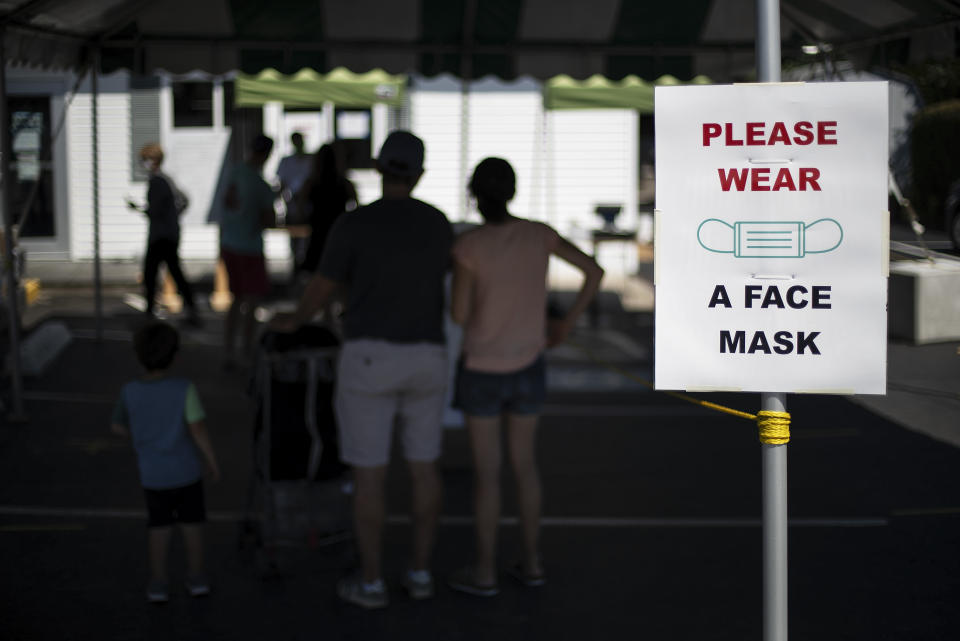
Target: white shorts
point(379, 382)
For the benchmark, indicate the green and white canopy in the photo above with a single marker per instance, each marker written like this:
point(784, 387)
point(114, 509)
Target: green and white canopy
point(597, 92)
point(307, 88)
point(468, 38)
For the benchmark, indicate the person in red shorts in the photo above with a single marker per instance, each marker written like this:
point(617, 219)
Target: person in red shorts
point(248, 210)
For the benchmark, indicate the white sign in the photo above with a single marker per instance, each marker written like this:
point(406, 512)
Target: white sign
point(353, 124)
point(772, 238)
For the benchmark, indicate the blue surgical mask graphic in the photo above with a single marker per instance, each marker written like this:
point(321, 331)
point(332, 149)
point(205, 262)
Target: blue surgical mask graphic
point(761, 239)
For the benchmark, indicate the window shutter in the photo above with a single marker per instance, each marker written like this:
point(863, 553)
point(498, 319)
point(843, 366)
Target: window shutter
point(399, 117)
point(144, 120)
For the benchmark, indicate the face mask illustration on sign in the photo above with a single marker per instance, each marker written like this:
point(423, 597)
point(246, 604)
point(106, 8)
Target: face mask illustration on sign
point(758, 239)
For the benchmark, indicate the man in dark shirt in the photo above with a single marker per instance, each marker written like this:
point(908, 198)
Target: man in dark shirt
point(390, 257)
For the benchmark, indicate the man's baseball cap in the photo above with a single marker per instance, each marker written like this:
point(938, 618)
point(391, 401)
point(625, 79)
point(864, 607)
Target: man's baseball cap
point(401, 154)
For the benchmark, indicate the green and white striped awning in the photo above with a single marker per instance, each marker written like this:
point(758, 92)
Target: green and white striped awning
point(597, 92)
point(307, 88)
point(468, 38)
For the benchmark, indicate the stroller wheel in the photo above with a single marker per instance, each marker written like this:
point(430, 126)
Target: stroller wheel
point(249, 540)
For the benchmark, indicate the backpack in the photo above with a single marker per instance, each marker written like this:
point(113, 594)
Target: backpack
point(180, 199)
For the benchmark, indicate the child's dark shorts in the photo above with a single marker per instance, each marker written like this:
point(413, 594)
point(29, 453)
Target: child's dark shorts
point(176, 505)
point(491, 394)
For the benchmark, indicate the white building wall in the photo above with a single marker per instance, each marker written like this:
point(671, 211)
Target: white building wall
point(435, 116)
point(195, 157)
point(592, 158)
point(503, 123)
point(122, 231)
point(566, 163)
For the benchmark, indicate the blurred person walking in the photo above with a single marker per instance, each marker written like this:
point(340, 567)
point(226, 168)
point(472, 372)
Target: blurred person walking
point(328, 194)
point(293, 173)
point(248, 210)
point(391, 256)
point(499, 296)
point(165, 204)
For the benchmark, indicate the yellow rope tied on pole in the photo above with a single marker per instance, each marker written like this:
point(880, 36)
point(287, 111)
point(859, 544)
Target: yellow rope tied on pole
point(774, 427)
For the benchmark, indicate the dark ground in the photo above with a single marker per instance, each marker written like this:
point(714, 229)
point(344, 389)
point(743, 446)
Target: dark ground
point(652, 526)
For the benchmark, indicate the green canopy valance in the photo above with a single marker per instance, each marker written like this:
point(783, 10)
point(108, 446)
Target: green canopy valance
point(597, 92)
point(307, 88)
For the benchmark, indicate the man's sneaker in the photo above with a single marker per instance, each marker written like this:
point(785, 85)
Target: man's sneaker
point(197, 586)
point(464, 581)
point(157, 592)
point(419, 584)
point(370, 596)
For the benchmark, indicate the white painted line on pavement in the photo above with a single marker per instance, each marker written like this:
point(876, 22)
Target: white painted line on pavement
point(100, 513)
point(641, 523)
point(33, 528)
point(189, 336)
point(606, 411)
point(623, 411)
point(58, 397)
point(107, 334)
point(465, 521)
point(68, 397)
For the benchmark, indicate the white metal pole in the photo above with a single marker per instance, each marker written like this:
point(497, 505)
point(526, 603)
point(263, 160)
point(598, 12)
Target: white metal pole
point(464, 147)
point(774, 463)
point(774, 457)
point(768, 40)
point(97, 275)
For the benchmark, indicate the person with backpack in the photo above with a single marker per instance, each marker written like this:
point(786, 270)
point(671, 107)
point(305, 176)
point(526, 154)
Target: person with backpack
point(165, 204)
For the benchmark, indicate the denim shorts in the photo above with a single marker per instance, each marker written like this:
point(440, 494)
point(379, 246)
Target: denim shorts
point(495, 393)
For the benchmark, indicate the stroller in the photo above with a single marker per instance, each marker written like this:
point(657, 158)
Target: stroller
point(299, 492)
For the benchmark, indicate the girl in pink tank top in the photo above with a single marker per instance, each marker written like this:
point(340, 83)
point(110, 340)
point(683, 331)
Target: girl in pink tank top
point(500, 297)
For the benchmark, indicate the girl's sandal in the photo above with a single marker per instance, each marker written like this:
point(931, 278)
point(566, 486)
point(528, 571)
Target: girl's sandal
point(527, 580)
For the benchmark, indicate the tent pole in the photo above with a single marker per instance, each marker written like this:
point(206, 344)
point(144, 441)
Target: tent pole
point(466, 76)
point(13, 316)
point(97, 276)
point(464, 145)
point(773, 457)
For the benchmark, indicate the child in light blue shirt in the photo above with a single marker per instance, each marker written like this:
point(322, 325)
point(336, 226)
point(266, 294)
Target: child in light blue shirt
point(164, 419)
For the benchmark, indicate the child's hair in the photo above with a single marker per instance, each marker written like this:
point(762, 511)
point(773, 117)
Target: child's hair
point(156, 344)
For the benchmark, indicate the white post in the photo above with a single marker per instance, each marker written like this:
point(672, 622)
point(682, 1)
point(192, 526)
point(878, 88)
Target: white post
point(774, 457)
point(97, 276)
point(774, 463)
point(464, 146)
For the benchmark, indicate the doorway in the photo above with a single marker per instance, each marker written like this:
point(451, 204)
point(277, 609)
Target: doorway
point(32, 167)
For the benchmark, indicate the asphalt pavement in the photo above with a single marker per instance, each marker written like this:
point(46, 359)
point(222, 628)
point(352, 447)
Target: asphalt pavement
point(652, 510)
